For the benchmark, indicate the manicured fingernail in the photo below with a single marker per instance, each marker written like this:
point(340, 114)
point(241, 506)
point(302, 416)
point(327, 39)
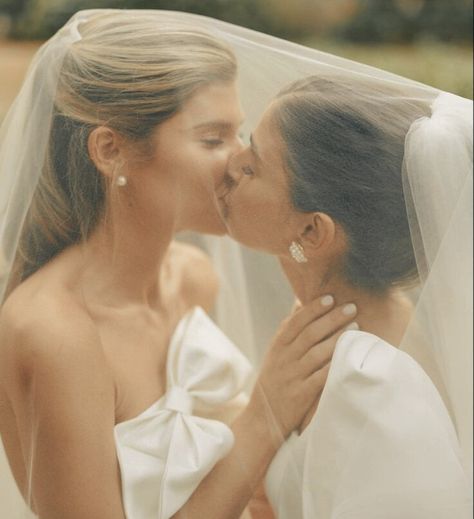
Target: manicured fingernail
point(327, 301)
point(352, 326)
point(349, 309)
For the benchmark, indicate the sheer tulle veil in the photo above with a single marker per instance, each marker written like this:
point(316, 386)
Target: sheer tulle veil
point(438, 148)
point(254, 296)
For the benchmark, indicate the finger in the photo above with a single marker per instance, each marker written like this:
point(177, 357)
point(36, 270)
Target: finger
point(296, 306)
point(315, 383)
point(320, 329)
point(318, 356)
point(297, 321)
point(321, 353)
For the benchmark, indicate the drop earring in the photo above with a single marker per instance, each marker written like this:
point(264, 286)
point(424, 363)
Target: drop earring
point(121, 181)
point(297, 252)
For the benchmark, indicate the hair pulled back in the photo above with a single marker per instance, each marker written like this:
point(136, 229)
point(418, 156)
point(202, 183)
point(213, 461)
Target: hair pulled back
point(129, 73)
point(345, 147)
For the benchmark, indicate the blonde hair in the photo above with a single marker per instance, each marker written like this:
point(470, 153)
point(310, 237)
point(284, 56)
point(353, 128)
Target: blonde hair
point(130, 72)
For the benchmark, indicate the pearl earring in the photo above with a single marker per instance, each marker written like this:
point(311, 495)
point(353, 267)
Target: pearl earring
point(121, 181)
point(297, 252)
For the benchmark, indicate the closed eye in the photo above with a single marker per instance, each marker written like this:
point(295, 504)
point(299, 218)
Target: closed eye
point(212, 142)
point(247, 170)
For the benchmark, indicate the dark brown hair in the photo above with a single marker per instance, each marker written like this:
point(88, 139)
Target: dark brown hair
point(345, 146)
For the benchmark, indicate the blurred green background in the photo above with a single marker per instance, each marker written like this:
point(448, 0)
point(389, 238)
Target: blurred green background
point(426, 40)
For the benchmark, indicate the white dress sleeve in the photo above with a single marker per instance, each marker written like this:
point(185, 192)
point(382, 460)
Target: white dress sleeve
point(381, 445)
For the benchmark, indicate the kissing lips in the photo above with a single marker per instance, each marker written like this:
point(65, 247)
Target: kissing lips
point(222, 193)
point(223, 205)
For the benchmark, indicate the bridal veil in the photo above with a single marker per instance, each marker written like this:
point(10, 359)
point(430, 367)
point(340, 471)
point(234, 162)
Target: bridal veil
point(437, 179)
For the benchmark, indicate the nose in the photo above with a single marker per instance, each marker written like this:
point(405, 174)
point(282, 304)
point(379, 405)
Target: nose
point(239, 144)
point(234, 169)
point(234, 149)
point(230, 178)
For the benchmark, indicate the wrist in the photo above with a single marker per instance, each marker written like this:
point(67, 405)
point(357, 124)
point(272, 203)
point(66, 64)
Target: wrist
point(255, 444)
point(259, 418)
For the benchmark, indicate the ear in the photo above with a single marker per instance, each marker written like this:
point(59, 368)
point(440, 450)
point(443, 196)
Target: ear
point(105, 147)
point(319, 232)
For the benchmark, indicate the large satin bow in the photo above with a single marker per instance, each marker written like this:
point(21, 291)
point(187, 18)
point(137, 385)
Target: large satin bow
point(165, 452)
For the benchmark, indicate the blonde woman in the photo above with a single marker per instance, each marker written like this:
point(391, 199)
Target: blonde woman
point(115, 386)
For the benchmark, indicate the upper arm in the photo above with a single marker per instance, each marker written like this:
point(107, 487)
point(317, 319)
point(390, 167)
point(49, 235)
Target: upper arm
point(57, 384)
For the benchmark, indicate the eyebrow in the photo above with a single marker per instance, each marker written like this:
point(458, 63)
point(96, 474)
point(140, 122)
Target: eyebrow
point(214, 125)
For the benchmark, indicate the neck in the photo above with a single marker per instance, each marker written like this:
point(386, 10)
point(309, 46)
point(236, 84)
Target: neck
point(384, 314)
point(124, 259)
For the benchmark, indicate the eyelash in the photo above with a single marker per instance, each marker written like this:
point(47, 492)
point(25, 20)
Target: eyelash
point(247, 170)
point(212, 143)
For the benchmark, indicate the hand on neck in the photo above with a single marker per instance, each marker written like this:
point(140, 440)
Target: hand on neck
point(385, 314)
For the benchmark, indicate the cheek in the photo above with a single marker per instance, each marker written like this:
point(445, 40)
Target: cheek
point(217, 165)
point(247, 201)
point(256, 217)
point(210, 169)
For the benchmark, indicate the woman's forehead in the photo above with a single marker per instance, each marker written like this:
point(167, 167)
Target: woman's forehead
point(214, 105)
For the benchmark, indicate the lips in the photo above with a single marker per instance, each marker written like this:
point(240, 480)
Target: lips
point(223, 205)
point(223, 192)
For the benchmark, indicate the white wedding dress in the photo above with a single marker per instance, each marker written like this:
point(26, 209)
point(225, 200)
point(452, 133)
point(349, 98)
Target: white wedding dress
point(166, 451)
point(381, 446)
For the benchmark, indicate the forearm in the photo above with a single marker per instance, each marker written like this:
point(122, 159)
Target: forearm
point(228, 488)
point(259, 507)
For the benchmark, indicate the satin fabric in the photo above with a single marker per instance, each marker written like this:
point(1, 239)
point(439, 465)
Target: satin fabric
point(381, 445)
point(166, 451)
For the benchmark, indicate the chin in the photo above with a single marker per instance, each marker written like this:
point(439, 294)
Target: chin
point(221, 231)
point(211, 225)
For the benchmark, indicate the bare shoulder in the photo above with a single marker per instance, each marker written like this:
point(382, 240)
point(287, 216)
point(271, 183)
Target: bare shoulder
point(200, 282)
point(55, 384)
point(47, 333)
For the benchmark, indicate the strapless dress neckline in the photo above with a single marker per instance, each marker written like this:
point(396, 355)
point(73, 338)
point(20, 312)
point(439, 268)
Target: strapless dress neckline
point(168, 449)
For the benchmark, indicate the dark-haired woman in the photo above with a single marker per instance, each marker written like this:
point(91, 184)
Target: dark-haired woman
point(322, 185)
